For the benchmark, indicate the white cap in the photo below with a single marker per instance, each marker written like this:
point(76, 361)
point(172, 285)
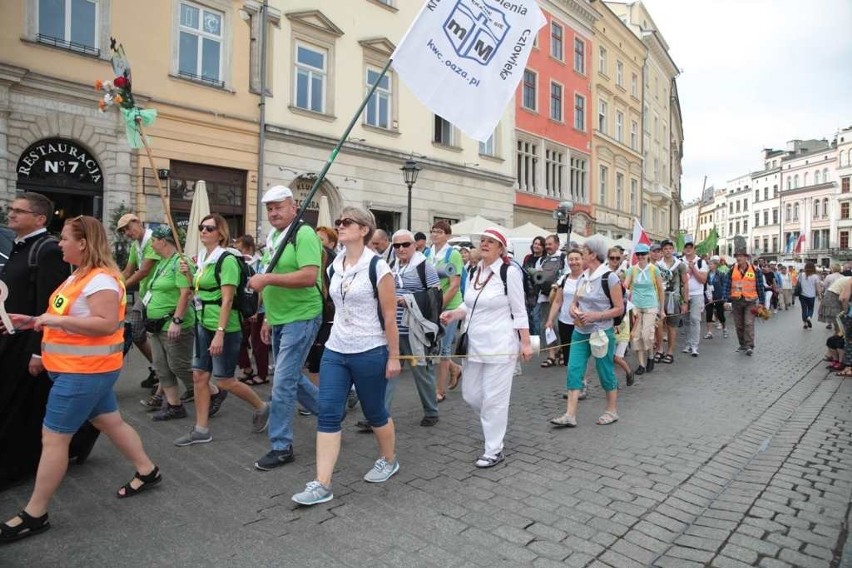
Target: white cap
point(277, 193)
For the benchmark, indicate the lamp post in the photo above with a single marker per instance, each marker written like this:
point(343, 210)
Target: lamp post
point(409, 176)
point(563, 217)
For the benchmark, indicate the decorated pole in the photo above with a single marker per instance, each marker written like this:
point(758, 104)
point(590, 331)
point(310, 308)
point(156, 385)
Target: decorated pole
point(119, 92)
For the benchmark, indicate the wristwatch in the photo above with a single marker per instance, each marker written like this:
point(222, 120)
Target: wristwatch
point(177, 320)
point(220, 328)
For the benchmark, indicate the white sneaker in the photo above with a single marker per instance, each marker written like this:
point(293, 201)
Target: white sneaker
point(724, 333)
point(709, 335)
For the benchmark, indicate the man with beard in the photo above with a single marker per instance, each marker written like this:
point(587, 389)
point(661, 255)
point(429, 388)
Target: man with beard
point(34, 270)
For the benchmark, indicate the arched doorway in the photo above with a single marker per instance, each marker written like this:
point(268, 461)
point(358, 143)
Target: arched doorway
point(67, 173)
point(301, 187)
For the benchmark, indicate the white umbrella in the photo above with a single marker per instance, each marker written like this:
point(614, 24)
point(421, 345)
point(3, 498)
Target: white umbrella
point(200, 209)
point(324, 215)
point(528, 230)
point(474, 225)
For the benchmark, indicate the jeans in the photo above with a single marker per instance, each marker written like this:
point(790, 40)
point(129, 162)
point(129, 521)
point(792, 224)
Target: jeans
point(338, 372)
point(541, 312)
point(290, 345)
point(807, 307)
point(424, 380)
point(696, 305)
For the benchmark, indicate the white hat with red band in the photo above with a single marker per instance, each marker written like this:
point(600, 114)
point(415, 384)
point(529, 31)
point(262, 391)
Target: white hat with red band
point(497, 234)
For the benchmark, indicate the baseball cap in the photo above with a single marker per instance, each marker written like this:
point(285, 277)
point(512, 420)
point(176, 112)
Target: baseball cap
point(277, 193)
point(666, 242)
point(163, 232)
point(642, 248)
point(125, 220)
point(655, 247)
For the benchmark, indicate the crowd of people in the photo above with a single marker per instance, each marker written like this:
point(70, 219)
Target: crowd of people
point(337, 312)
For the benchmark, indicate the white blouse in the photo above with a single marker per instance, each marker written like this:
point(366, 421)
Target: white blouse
point(356, 327)
point(492, 324)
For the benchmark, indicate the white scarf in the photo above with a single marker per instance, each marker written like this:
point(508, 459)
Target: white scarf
point(140, 246)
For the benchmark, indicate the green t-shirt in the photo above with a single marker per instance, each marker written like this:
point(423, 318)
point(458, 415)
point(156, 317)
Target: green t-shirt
point(439, 260)
point(207, 290)
point(165, 287)
point(147, 254)
point(286, 305)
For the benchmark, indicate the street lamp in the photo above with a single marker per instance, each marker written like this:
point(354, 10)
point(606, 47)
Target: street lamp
point(563, 217)
point(409, 176)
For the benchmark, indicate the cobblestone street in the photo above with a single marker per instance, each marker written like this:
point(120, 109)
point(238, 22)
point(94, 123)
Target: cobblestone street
point(722, 460)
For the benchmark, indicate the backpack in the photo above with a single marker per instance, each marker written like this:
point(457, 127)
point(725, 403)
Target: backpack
point(328, 257)
point(245, 299)
point(605, 285)
point(427, 252)
point(430, 300)
point(551, 268)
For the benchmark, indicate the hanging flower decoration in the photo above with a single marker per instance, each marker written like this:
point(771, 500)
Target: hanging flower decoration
point(761, 312)
point(118, 92)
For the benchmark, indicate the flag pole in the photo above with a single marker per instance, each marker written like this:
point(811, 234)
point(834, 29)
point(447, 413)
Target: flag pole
point(294, 226)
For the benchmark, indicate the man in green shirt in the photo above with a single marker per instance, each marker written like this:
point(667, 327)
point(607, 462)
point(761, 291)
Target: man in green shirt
point(293, 304)
point(139, 269)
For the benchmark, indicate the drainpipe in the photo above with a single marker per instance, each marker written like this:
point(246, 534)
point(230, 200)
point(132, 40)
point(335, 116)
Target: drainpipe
point(261, 145)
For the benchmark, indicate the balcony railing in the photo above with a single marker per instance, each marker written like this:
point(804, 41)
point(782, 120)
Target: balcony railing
point(70, 45)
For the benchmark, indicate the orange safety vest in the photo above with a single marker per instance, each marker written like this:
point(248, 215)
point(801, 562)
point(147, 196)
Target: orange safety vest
point(64, 352)
point(743, 285)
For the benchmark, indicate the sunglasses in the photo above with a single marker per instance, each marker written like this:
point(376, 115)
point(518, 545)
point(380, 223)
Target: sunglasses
point(641, 254)
point(206, 228)
point(615, 258)
point(346, 221)
point(401, 245)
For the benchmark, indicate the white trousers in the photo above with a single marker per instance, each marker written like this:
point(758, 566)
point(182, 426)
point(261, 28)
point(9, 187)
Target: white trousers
point(767, 299)
point(487, 388)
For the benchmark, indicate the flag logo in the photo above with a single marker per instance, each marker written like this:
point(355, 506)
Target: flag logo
point(476, 30)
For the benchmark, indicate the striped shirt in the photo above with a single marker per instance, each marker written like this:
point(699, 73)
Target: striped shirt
point(408, 281)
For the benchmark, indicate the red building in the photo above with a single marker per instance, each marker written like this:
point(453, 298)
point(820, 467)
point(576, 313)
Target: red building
point(553, 119)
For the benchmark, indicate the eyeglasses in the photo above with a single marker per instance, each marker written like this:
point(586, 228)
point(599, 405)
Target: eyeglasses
point(401, 245)
point(206, 228)
point(346, 221)
point(17, 211)
point(437, 232)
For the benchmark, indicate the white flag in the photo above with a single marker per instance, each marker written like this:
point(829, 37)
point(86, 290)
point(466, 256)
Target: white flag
point(464, 58)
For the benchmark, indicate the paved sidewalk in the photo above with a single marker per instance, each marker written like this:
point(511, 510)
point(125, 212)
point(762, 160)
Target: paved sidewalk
point(721, 460)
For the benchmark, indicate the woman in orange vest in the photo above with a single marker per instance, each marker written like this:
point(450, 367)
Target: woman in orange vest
point(82, 352)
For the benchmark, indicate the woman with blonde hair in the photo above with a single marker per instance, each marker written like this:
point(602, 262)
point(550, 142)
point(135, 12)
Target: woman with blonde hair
point(82, 352)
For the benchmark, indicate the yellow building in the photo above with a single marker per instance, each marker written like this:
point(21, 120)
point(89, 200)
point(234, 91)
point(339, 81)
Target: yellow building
point(617, 86)
point(190, 61)
point(326, 55)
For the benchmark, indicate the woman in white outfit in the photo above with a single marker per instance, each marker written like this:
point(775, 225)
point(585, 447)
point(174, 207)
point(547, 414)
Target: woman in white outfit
point(497, 331)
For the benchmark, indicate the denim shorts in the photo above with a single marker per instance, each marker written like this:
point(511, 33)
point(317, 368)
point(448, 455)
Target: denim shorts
point(222, 366)
point(77, 397)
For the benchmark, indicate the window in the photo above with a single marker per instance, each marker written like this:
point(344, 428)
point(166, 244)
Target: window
point(579, 190)
point(795, 212)
point(579, 56)
point(775, 216)
point(619, 191)
point(444, 132)
point(788, 212)
point(765, 244)
point(738, 206)
point(738, 228)
point(656, 128)
point(775, 191)
point(634, 135)
point(757, 218)
point(756, 244)
point(580, 113)
point(766, 216)
point(775, 244)
point(815, 240)
point(602, 116)
point(844, 239)
point(604, 173)
point(554, 172)
point(556, 41)
point(731, 209)
point(619, 73)
point(766, 193)
point(602, 61)
point(805, 179)
point(72, 24)
point(378, 111)
point(556, 101)
point(200, 43)
point(730, 227)
point(844, 184)
point(619, 126)
point(487, 148)
point(816, 209)
point(310, 80)
point(816, 178)
point(529, 89)
point(645, 218)
point(825, 208)
point(844, 210)
point(789, 183)
point(756, 195)
point(745, 204)
point(745, 225)
point(796, 181)
point(634, 190)
point(634, 85)
point(527, 165)
point(825, 176)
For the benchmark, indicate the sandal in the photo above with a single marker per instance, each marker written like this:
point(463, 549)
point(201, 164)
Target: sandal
point(847, 372)
point(255, 381)
point(658, 356)
point(454, 379)
point(549, 362)
point(441, 397)
point(30, 526)
point(564, 421)
point(667, 359)
point(247, 377)
point(152, 478)
point(606, 418)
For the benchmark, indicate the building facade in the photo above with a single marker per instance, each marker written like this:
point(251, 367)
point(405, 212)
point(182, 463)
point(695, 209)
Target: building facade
point(617, 87)
point(662, 145)
point(326, 56)
point(844, 195)
point(553, 131)
point(190, 62)
point(737, 197)
point(765, 222)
